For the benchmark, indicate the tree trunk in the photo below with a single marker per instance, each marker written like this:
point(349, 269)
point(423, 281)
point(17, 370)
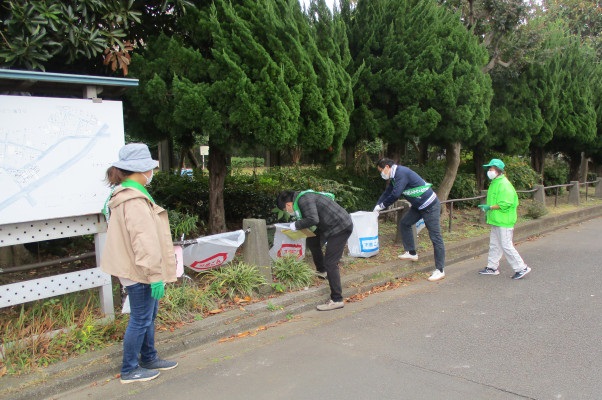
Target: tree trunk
point(478, 159)
point(165, 155)
point(452, 161)
point(192, 158)
point(296, 155)
point(181, 162)
point(11, 256)
point(395, 152)
point(583, 168)
point(537, 161)
point(574, 164)
point(423, 153)
point(217, 176)
point(349, 156)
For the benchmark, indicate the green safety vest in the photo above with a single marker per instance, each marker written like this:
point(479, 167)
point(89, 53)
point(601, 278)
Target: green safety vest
point(296, 206)
point(417, 191)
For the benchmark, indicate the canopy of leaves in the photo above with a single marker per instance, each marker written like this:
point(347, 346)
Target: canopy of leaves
point(419, 73)
point(79, 36)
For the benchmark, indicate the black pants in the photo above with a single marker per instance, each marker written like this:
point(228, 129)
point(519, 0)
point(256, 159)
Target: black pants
point(329, 260)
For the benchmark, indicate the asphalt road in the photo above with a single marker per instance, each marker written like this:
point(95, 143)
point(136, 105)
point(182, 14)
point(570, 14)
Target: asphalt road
point(466, 337)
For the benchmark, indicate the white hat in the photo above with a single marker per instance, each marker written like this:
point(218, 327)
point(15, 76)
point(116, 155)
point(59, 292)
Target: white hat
point(135, 157)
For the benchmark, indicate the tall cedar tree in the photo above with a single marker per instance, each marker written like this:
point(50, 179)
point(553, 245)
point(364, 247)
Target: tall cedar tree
point(422, 77)
point(238, 72)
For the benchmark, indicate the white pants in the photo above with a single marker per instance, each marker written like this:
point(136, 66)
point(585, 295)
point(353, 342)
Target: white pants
point(500, 242)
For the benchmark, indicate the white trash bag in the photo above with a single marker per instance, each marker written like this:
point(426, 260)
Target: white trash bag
point(284, 245)
point(419, 225)
point(363, 241)
point(213, 251)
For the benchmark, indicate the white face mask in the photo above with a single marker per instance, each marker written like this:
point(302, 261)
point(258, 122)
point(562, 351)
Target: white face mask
point(383, 175)
point(149, 179)
point(491, 174)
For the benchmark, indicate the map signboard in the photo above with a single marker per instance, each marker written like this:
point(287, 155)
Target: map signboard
point(54, 153)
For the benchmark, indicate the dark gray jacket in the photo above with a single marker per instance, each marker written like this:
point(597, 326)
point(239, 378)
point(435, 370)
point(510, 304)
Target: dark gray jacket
point(323, 212)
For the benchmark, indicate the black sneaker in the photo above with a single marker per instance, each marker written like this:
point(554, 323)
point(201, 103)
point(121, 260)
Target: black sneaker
point(489, 271)
point(163, 365)
point(139, 375)
point(522, 273)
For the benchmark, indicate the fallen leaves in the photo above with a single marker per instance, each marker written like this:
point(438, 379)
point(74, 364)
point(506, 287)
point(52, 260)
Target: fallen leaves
point(254, 332)
point(378, 289)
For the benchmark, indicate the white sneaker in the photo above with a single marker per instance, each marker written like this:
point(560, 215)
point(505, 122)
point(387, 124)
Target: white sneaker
point(408, 256)
point(436, 275)
point(331, 305)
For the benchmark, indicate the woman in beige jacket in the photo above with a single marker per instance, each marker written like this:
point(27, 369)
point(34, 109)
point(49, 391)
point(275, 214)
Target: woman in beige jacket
point(139, 251)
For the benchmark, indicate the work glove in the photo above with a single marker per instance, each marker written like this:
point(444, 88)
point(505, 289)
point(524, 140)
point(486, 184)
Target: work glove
point(292, 226)
point(378, 208)
point(157, 290)
point(484, 207)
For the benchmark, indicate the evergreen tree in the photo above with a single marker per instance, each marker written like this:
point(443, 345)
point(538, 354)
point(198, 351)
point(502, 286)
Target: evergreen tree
point(576, 130)
point(237, 72)
point(421, 77)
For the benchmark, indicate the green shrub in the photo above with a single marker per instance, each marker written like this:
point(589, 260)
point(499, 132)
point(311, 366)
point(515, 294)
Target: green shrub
point(183, 224)
point(555, 172)
point(292, 272)
point(246, 162)
point(535, 210)
point(591, 176)
point(236, 279)
point(183, 301)
point(522, 176)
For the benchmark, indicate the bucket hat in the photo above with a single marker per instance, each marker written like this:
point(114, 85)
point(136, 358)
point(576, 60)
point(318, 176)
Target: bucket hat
point(495, 162)
point(135, 157)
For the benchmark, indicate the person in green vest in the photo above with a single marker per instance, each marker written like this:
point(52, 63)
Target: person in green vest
point(424, 205)
point(139, 251)
point(502, 202)
point(333, 226)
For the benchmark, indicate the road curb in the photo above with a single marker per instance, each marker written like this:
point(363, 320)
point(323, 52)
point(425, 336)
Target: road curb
point(96, 367)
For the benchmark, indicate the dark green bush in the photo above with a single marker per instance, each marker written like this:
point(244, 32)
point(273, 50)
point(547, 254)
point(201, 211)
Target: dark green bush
point(555, 172)
point(254, 195)
point(536, 210)
point(464, 185)
point(522, 176)
point(592, 176)
point(247, 162)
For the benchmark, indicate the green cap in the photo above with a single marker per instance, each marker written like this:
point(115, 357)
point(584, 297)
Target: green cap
point(495, 162)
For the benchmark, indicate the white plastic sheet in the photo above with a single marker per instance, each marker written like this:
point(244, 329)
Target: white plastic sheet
point(363, 241)
point(419, 225)
point(213, 251)
point(284, 245)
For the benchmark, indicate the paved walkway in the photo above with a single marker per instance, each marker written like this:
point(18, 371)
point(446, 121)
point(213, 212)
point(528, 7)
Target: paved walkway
point(97, 367)
point(466, 337)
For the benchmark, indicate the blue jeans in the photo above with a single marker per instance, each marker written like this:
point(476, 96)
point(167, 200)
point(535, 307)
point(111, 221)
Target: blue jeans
point(431, 216)
point(139, 338)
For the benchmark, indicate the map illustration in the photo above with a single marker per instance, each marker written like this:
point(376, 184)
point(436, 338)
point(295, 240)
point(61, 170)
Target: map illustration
point(54, 154)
